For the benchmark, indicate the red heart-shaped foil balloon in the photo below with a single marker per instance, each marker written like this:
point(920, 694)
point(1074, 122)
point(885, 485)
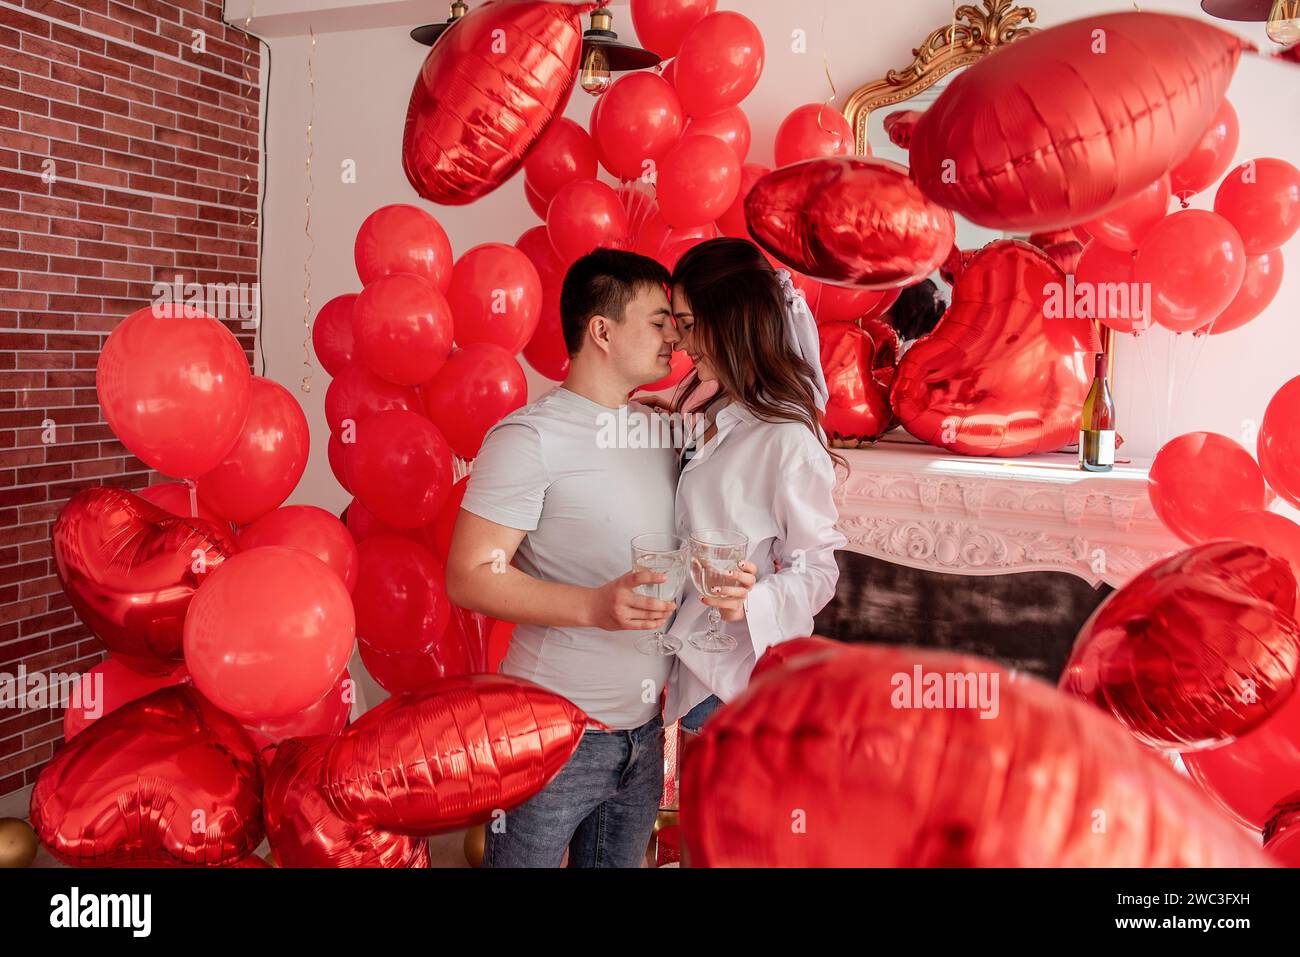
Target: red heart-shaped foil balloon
point(444, 758)
point(1072, 121)
point(1196, 650)
point(130, 569)
point(990, 380)
point(167, 779)
point(304, 831)
point(859, 367)
point(486, 93)
point(876, 756)
point(849, 220)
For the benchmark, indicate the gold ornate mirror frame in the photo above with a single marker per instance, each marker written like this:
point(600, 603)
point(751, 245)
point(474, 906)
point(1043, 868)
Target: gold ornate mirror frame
point(973, 34)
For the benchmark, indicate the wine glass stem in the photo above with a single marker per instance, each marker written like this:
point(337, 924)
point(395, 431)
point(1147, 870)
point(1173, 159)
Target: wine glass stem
point(715, 620)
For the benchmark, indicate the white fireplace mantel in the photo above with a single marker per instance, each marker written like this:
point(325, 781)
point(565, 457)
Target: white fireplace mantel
point(915, 505)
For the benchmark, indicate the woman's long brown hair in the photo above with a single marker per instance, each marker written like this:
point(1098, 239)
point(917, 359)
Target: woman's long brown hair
point(740, 325)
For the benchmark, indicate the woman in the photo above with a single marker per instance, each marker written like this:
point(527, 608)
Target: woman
point(761, 467)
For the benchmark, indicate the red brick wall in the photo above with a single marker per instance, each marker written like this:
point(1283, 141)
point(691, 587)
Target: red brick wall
point(155, 173)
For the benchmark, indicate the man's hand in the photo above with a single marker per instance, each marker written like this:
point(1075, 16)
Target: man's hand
point(617, 607)
point(730, 599)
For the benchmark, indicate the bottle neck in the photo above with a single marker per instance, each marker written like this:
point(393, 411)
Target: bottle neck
point(1099, 366)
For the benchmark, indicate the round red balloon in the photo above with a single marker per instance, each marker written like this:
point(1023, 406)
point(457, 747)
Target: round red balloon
point(731, 126)
point(334, 450)
point(1274, 533)
point(1261, 198)
point(269, 633)
point(1193, 262)
point(311, 529)
point(356, 393)
point(1125, 226)
point(1278, 444)
point(583, 215)
point(639, 120)
point(697, 180)
point(810, 131)
point(718, 64)
point(564, 154)
point(732, 221)
point(1209, 157)
point(496, 297)
point(402, 239)
point(1103, 281)
point(400, 466)
point(175, 498)
point(268, 459)
point(478, 387)
point(437, 534)
point(173, 384)
point(1258, 288)
point(328, 717)
point(331, 333)
point(401, 596)
point(1199, 477)
point(362, 524)
point(403, 328)
point(661, 25)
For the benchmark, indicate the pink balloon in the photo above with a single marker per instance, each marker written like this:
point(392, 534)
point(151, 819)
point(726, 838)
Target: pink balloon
point(565, 153)
point(812, 130)
point(639, 120)
point(400, 467)
point(1198, 478)
point(1261, 198)
point(698, 179)
point(1125, 226)
point(331, 333)
point(731, 126)
point(496, 296)
point(661, 25)
point(403, 328)
point(1258, 288)
point(718, 64)
point(1194, 262)
point(267, 460)
point(356, 392)
point(309, 529)
point(583, 215)
point(402, 239)
point(1209, 157)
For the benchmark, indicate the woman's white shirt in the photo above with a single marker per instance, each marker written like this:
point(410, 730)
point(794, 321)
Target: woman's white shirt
point(773, 482)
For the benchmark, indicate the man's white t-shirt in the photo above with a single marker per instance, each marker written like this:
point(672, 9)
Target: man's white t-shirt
point(561, 470)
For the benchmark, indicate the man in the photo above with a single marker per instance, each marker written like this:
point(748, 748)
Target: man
point(543, 540)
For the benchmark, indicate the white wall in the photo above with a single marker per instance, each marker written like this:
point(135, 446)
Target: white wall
point(363, 80)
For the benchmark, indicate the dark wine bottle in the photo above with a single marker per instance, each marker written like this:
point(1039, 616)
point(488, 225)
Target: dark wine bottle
point(1097, 425)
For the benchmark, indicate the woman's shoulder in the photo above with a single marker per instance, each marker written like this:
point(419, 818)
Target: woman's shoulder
point(789, 441)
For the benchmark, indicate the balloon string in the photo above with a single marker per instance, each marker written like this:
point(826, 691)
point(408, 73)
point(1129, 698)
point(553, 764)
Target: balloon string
point(1171, 382)
point(311, 242)
point(194, 497)
point(1140, 347)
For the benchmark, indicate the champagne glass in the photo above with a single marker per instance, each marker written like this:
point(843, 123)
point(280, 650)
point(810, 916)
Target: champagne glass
point(714, 553)
point(666, 555)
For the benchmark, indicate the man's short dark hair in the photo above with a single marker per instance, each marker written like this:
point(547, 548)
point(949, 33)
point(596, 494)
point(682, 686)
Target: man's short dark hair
point(602, 283)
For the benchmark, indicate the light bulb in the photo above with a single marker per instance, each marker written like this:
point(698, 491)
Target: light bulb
point(594, 77)
point(1284, 22)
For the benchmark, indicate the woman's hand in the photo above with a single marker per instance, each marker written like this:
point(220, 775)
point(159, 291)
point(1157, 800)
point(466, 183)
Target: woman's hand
point(730, 599)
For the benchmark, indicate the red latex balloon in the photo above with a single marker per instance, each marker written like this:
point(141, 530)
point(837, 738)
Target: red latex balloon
point(889, 771)
point(496, 296)
point(987, 380)
point(732, 221)
point(331, 333)
point(1278, 444)
point(1261, 199)
point(718, 63)
point(639, 120)
point(1258, 288)
point(1274, 533)
point(535, 243)
point(174, 497)
point(362, 524)
point(811, 131)
point(661, 25)
point(841, 304)
point(357, 393)
point(1197, 478)
point(130, 569)
point(1049, 136)
point(165, 370)
point(1209, 157)
point(105, 688)
point(536, 202)
point(437, 534)
point(400, 467)
point(1125, 226)
point(401, 672)
point(1105, 285)
point(311, 529)
point(486, 93)
point(478, 387)
point(679, 364)
point(269, 634)
point(1194, 262)
point(401, 596)
point(328, 716)
point(1196, 650)
point(731, 126)
point(546, 351)
point(403, 328)
point(445, 758)
point(583, 215)
point(267, 460)
point(565, 153)
point(1249, 775)
point(850, 221)
point(657, 238)
point(499, 644)
point(304, 831)
point(128, 791)
point(697, 180)
point(335, 450)
point(858, 408)
point(403, 239)
point(1282, 831)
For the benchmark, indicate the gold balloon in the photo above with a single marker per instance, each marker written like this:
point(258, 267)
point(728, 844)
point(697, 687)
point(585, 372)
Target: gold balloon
point(475, 838)
point(18, 843)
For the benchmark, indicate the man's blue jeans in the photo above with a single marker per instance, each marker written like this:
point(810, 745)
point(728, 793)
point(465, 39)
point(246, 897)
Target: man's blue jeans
point(601, 806)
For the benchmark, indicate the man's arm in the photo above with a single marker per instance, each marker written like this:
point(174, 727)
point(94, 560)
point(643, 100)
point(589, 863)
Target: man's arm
point(480, 577)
